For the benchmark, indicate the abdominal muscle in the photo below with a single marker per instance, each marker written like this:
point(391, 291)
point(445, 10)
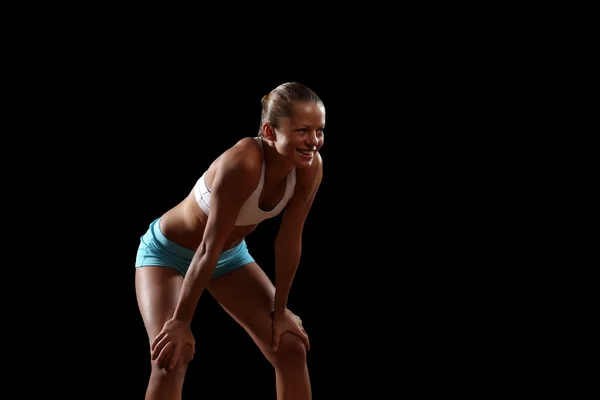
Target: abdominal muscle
point(184, 224)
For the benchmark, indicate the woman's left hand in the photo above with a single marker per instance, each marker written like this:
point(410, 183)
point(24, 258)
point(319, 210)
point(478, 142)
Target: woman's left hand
point(288, 322)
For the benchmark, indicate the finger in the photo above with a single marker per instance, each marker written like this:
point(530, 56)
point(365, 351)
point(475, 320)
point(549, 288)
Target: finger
point(156, 351)
point(164, 353)
point(158, 347)
point(305, 338)
point(157, 339)
point(168, 355)
point(275, 342)
point(175, 356)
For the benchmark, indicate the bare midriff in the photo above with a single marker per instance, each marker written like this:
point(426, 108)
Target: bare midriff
point(184, 224)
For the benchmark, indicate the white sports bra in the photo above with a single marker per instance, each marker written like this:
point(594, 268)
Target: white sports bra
point(250, 213)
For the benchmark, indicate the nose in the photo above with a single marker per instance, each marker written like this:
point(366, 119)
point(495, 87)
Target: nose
point(312, 139)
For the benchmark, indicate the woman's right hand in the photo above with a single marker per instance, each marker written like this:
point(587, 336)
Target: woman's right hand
point(169, 343)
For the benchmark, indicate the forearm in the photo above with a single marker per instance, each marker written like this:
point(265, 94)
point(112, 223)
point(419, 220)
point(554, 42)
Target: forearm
point(286, 263)
point(196, 279)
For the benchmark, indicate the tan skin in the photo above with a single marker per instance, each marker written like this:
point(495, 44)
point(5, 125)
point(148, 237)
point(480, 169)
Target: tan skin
point(167, 300)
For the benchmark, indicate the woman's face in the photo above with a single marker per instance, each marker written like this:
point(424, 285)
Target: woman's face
point(299, 137)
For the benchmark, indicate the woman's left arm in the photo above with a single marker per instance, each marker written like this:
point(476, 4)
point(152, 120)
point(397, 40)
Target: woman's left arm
point(288, 243)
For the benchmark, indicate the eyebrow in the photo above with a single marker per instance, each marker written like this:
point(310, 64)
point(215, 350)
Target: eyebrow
point(308, 126)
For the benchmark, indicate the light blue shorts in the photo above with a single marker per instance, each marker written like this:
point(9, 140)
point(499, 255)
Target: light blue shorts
point(156, 250)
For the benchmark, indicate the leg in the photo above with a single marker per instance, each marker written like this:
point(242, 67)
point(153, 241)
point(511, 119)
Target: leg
point(247, 295)
point(157, 291)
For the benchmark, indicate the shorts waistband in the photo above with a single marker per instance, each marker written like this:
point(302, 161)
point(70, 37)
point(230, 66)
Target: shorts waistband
point(175, 248)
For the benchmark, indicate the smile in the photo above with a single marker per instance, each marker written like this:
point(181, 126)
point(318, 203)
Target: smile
point(307, 153)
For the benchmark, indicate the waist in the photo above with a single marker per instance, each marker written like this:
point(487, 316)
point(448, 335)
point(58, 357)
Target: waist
point(185, 225)
point(175, 248)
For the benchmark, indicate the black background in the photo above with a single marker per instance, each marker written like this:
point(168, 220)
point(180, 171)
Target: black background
point(151, 134)
point(392, 245)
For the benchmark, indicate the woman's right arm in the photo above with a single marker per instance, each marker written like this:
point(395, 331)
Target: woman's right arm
point(234, 181)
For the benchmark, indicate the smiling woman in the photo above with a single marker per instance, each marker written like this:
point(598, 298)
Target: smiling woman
point(200, 244)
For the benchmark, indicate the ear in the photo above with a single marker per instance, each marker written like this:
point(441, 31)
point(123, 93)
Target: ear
point(268, 131)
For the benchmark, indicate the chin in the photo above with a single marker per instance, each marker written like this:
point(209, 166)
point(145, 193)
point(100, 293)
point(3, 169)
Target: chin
point(303, 164)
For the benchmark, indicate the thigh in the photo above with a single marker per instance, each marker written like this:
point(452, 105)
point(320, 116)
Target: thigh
point(247, 294)
point(157, 291)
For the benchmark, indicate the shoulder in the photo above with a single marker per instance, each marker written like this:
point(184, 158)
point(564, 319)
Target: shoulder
point(242, 161)
point(245, 153)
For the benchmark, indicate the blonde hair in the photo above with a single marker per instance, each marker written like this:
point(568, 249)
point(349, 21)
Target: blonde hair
point(279, 103)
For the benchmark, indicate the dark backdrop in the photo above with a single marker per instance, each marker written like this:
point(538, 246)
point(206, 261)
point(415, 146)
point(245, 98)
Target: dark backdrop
point(391, 247)
point(151, 135)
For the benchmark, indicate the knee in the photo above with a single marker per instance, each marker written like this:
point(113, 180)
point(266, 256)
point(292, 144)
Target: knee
point(180, 367)
point(291, 350)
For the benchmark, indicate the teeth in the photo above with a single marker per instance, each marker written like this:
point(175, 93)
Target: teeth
point(307, 152)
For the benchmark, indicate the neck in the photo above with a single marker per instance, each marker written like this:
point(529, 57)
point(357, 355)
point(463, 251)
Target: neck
point(276, 168)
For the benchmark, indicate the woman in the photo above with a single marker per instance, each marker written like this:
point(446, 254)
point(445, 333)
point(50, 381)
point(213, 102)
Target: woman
point(199, 244)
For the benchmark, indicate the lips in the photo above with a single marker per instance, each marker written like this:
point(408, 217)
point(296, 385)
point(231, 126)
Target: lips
point(308, 153)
